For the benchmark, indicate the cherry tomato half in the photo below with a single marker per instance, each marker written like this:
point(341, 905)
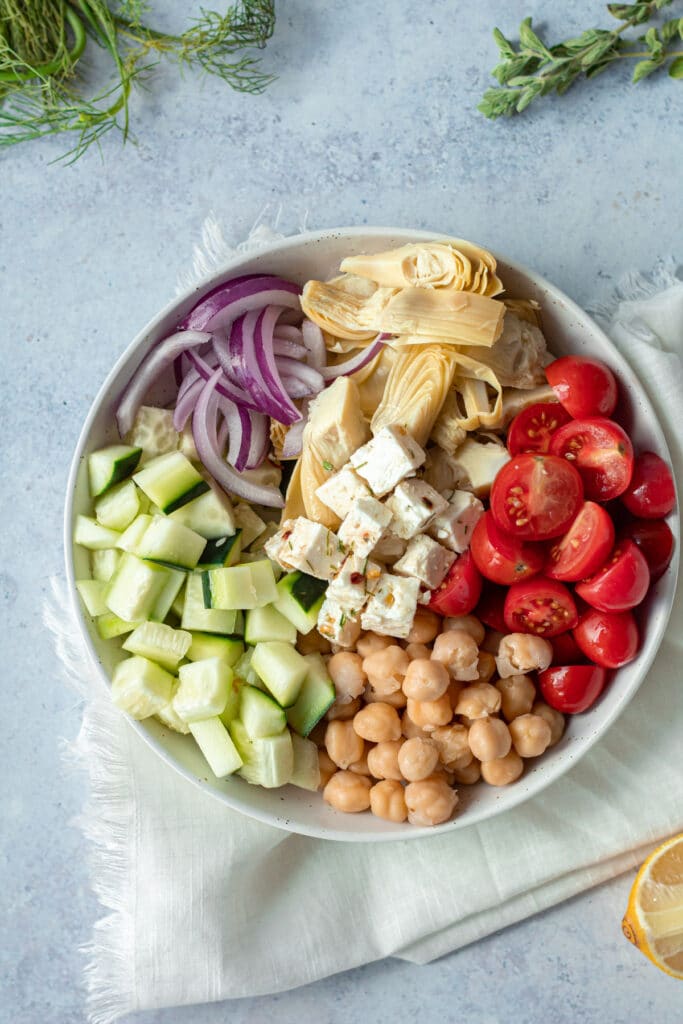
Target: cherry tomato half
point(540, 606)
point(501, 558)
point(532, 428)
point(572, 688)
point(655, 540)
point(609, 639)
point(651, 493)
point(459, 592)
point(534, 497)
point(584, 547)
point(621, 583)
point(490, 608)
point(566, 651)
point(602, 453)
point(585, 387)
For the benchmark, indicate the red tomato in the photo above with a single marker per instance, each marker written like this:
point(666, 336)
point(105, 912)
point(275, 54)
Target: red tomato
point(534, 497)
point(651, 493)
point(602, 453)
point(585, 387)
point(490, 608)
point(532, 428)
point(501, 558)
point(621, 583)
point(655, 540)
point(609, 639)
point(459, 592)
point(572, 688)
point(585, 546)
point(566, 651)
point(540, 606)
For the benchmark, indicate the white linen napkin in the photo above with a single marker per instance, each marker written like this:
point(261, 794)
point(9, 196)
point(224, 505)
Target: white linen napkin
point(204, 904)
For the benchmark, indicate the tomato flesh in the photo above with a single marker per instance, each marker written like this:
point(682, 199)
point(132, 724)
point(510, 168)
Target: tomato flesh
point(540, 606)
point(532, 428)
point(501, 558)
point(602, 453)
point(572, 688)
point(621, 583)
point(491, 605)
point(566, 651)
point(651, 493)
point(585, 387)
point(459, 592)
point(609, 639)
point(655, 540)
point(534, 497)
point(585, 546)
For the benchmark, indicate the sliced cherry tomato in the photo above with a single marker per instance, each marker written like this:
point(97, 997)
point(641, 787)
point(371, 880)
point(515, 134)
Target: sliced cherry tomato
point(532, 428)
point(621, 583)
point(585, 546)
point(566, 651)
point(655, 540)
point(609, 639)
point(534, 497)
point(651, 493)
point(572, 688)
point(540, 606)
point(490, 608)
point(585, 387)
point(459, 592)
point(602, 453)
point(502, 558)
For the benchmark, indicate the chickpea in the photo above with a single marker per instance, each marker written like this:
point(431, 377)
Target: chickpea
point(430, 714)
point(313, 643)
point(425, 627)
point(397, 700)
point(386, 669)
point(522, 652)
point(361, 767)
point(417, 759)
point(454, 690)
point(343, 744)
point(489, 738)
point(479, 701)
point(383, 760)
point(458, 651)
point(377, 722)
point(346, 672)
point(486, 667)
point(418, 651)
point(517, 695)
point(387, 800)
point(468, 775)
point(555, 720)
point(468, 623)
point(429, 802)
point(530, 735)
point(369, 642)
point(342, 710)
point(408, 727)
point(327, 767)
point(503, 770)
point(491, 641)
point(451, 742)
point(426, 679)
point(348, 792)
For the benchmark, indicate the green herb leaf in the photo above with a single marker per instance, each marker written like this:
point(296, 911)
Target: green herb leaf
point(676, 68)
point(530, 40)
point(504, 45)
point(328, 466)
point(644, 68)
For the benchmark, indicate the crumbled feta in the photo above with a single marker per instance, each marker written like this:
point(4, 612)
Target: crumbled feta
point(413, 505)
point(353, 584)
point(480, 463)
point(426, 560)
point(336, 624)
point(388, 458)
point(454, 526)
point(391, 609)
point(341, 490)
point(307, 546)
point(366, 521)
point(389, 548)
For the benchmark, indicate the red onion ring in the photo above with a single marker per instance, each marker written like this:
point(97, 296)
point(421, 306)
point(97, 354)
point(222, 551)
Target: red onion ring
point(293, 442)
point(282, 347)
point(222, 306)
point(225, 388)
point(184, 406)
point(315, 344)
point(288, 333)
point(260, 441)
point(356, 362)
point(301, 371)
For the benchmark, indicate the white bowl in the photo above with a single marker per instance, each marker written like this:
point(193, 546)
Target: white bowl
point(568, 329)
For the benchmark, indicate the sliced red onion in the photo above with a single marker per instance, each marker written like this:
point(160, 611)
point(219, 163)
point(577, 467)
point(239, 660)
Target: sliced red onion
point(356, 362)
point(315, 344)
point(188, 380)
point(222, 435)
point(222, 306)
point(239, 433)
point(260, 441)
point(184, 406)
point(296, 388)
point(288, 332)
point(282, 347)
point(253, 362)
point(292, 444)
point(302, 372)
point(225, 387)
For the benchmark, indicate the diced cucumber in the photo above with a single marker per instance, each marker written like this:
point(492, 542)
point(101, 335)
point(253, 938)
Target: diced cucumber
point(306, 771)
point(248, 522)
point(300, 598)
point(89, 534)
point(170, 481)
point(130, 539)
point(167, 715)
point(140, 590)
point(210, 515)
point(179, 603)
point(316, 696)
point(267, 762)
point(281, 668)
point(203, 690)
point(153, 431)
point(104, 563)
point(92, 595)
point(240, 586)
point(118, 507)
point(110, 626)
point(260, 714)
point(257, 546)
point(228, 648)
point(239, 623)
point(268, 624)
point(186, 443)
point(197, 617)
point(214, 741)
point(232, 704)
point(110, 466)
point(160, 643)
point(170, 544)
point(221, 552)
point(140, 687)
point(245, 672)
point(163, 605)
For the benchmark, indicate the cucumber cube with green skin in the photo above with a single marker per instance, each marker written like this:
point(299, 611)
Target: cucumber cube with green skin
point(205, 645)
point(316, 696)
point(160, 643)
point(171, 544)
point(162, 606)
point(260, 714)
point(300, 598)
point(170, 481)
point(137, 589)
point(240, 586)
point(268, 762)
point(215, 743)
point(224, 551)
point(268, 624)
point(306, 770)
point(89, 534)
point(110, 626)
point(130, 539)
point(210, 515)
point(197, 617)
point(119, 506)
point(104, 563)
point(110, 466)
point(281, 668)
point(140, 687)
point(203, 689)
point(92, 595)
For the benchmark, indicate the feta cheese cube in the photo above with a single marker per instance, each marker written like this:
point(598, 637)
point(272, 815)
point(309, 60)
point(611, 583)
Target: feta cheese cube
point(454, 526)
point(425, 559)
point(480, 463)
point(337, 625)
point(390, 547)
point(307, 546)
point(363, 526)
point(353, 584)
point(413, 504)
point(341, 490)
point(391, 609)
point(388, 458)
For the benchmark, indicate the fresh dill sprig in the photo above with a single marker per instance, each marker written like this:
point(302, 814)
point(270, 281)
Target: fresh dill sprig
point(535, 69)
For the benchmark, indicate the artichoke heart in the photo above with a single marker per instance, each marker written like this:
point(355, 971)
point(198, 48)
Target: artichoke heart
point(416, 388)
point(343, 309)
point(525, 309)
point(519, 354)
point(372, 379)
point(443, 314)
point(448, 264)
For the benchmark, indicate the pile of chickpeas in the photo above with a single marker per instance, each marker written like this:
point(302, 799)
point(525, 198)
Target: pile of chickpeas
point(450, 705)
